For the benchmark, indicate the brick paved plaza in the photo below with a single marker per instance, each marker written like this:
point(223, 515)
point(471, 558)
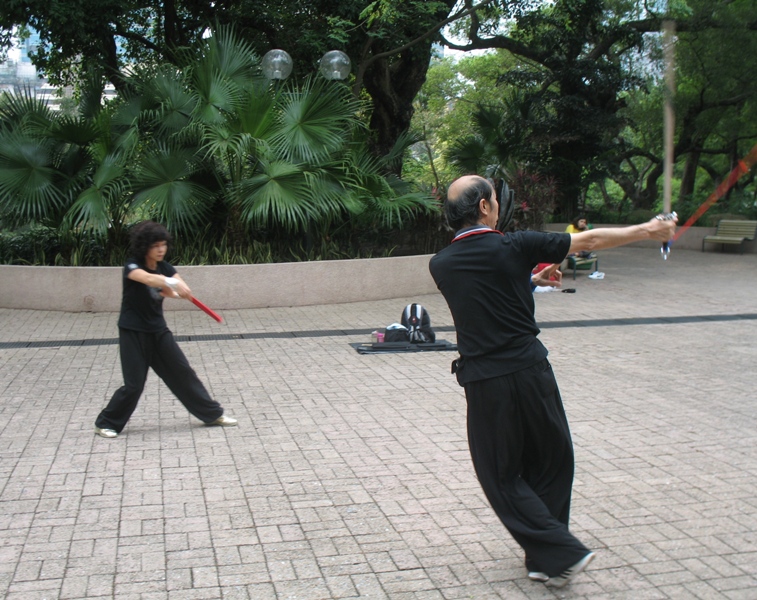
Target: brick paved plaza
point(349, 475)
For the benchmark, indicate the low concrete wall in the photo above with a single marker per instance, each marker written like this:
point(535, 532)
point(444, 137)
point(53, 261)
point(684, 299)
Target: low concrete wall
point(98, 289)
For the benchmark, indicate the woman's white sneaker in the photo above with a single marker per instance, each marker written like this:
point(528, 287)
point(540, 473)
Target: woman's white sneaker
point(106, 433)
point(224, 421)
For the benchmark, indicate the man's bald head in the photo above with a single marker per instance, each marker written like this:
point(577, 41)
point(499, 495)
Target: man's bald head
point(463, 197)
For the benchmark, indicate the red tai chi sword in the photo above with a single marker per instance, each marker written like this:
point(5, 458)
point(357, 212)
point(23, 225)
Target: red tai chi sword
point(207, 309)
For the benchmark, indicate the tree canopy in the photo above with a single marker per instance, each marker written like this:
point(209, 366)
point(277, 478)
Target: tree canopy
point(389, 43)
point(580, 61)
point(577, 81)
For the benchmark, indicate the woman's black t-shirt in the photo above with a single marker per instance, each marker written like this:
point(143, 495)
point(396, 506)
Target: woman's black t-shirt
point(485, 277)
point(142, 305)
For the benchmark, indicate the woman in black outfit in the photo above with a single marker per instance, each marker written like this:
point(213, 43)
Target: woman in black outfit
point(144, 338)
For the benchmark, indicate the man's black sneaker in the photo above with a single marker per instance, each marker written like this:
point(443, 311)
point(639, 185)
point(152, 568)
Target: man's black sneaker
point(568, 574)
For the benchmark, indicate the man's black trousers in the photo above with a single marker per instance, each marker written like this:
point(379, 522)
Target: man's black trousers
point(141, 351)
point(523, 456)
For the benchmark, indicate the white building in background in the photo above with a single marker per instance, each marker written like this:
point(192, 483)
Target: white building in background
point(18, 73)
point(18, 68)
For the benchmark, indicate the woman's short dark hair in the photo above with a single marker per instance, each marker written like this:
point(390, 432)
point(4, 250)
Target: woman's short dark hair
point(578, 218)
point(145, 234)
point(462, 211)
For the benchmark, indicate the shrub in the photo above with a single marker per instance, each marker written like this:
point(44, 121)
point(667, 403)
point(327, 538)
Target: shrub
point(29, 246)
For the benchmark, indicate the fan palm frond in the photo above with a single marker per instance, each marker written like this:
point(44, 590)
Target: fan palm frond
point(487, 120)
point(176, 102)
point(25, 111)
point(30, 189)
point(74, 130)
point(288, 194)
point(400, 205)
point(383, 199)
point(164, 185)
point(223, 142)
point(256, 115)
point(229, 54)
point(216, 97)
point(92, 209)
point(314, 121)
point(127, 110)
point(469, 154)
point(393, 160)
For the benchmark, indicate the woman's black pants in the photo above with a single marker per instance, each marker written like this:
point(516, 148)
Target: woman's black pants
point(141, 351)
point(523, 456)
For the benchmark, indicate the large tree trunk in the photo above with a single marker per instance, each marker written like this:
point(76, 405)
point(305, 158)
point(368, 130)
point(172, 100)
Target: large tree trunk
point(393, 84)
point(689, 175)
point(569, 187)
point(648, 195)
point(393, 81)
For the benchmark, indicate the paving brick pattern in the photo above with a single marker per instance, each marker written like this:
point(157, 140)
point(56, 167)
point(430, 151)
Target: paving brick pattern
point(349, 475)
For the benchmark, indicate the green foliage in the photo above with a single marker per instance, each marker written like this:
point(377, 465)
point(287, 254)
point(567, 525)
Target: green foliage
point(581, 100)
point(550, 103)
point(535, 199)
point(210, 143)
point(605, 203)
point(575, 83)
point(714, 107)
point(616, 207)
point(29, 246)
point(445, 107)
point(103, 40)
point(738, 204)
point(39, 245)
point(640, 215)
point(711, 219)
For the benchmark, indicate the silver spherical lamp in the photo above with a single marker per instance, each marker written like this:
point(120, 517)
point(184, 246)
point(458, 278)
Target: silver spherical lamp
point(277, 64)
point(335, 64)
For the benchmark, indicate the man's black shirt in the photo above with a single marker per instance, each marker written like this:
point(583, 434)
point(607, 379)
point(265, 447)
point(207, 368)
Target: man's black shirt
point(485, 277)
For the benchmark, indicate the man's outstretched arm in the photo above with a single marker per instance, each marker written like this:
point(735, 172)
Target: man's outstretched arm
point(612, 237)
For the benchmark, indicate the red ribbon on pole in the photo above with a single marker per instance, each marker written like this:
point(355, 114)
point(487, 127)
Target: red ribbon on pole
point(741, 168)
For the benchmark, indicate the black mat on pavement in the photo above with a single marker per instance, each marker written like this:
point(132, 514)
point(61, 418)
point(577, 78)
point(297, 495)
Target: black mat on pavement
point(393, 347)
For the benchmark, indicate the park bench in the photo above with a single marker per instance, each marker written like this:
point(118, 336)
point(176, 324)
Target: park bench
point(582, 264)
point(732, 232)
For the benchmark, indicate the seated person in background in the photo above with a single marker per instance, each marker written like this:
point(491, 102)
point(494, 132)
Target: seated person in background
point(578, 225)
point(546, 277)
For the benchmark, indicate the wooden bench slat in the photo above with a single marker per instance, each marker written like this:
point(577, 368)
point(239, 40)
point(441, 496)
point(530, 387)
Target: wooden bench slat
point(725, 239)
point(733, 230)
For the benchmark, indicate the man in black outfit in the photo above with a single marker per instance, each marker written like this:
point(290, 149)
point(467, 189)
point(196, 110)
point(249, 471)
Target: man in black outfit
point(144, 338)
point(517, 429)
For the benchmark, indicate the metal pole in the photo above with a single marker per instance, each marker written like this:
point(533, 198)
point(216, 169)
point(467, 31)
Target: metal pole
point(668, 41)
point(669, 28)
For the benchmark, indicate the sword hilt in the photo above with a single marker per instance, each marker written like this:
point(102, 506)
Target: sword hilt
point(665, 248)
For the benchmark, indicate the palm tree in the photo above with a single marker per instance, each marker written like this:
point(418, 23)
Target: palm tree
point(38, 167)
point(506, 136)
point(209, 141)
